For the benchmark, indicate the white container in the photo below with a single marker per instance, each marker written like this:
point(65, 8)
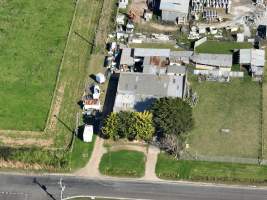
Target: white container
point(100, 78)
point(88, 133)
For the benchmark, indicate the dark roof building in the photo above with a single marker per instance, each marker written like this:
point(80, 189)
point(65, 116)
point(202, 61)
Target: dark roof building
point(137, 91)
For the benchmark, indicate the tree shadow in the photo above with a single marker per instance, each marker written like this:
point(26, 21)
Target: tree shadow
point(146, 104)
point(80, 132)
point(80, 104)
point(110, 95)
point(44, 188)
point(93, 77)
point(64, 124)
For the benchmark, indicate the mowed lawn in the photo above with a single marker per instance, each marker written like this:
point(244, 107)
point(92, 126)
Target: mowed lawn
point(234, 106)
point(33, 34)
point(169, 168)
point(123, 163)
point(222, 47)
point(264, 110)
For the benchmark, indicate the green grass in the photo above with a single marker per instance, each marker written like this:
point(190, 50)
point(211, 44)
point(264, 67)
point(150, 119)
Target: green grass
point(74, 73)
point(76, 66)
point(156, 46)
point(123, 163)
point(264, 110)
point(169, 168)
point(33, 34)
point(234, 106)
point(81, 153)
point(222, 47)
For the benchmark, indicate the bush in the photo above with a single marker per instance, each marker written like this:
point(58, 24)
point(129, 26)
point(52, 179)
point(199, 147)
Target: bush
point(56, 159)
point(172, 116)
point(130, 125)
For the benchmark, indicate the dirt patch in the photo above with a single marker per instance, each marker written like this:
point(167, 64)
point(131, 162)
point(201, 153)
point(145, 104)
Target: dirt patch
point(56, 107)
point(104, 23)
point(24, 133)
point(129, 147)
point(138, 7)
point(21, 165)
point(164, 28)
point(26, 141)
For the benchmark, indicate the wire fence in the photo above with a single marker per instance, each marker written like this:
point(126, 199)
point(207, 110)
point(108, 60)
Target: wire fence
point(189, 156)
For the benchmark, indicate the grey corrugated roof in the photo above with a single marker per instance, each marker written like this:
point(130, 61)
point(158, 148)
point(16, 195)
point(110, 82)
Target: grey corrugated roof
point(126, 57)
point(181, 6)
point(144, 52)
point(245, 56)
point(257, 57)
point(176, 69)
point(181, 54)
point(254, 57)
point(220, 60)
point(151, 85)
point(184, 56)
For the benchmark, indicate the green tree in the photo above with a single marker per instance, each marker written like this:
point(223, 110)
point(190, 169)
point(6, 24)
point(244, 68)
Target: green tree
point(172, 116)
point(143, 125)
point(130, 125)
point(126, 123)
point(111, 126)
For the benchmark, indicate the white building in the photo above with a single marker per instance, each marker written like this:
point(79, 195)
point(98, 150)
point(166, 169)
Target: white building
point(175, 10)
point(255, 60)
point(123, 3)
point(207, 61)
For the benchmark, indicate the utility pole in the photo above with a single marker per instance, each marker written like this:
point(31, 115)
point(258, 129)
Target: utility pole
point(62, 188)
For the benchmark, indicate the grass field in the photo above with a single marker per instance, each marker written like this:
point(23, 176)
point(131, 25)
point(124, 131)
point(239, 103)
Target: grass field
point(76, 66)
point(75, 71)
point(222, 47)
point(81, 153)
point(234, 106)
point(32, 39)
point(123, 163)
point(264, 110)
point(169, 168)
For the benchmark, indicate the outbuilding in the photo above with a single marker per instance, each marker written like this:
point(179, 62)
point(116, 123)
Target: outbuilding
point(207, 61)
point(100, 78)
point(88, 133)
point(123, 3)
point(175, 10)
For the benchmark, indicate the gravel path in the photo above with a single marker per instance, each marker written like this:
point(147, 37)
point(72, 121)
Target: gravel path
point(91, 169)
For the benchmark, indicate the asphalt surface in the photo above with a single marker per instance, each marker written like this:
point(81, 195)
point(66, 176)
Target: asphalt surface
point(20, 187)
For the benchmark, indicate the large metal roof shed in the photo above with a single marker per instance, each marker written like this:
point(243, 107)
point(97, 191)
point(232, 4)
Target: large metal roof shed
point(147, 52)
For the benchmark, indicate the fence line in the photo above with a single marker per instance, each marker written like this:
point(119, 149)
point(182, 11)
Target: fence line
point(55, 93)
point(219, 73)
point(229, 159)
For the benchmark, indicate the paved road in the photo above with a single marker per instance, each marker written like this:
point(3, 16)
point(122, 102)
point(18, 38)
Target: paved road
point(19, 187)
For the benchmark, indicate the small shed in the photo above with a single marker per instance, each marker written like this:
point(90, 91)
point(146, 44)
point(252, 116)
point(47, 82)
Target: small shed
point(91, 104)
point(96, 94)
point(100, 78)
point(240, 37)
point(123, 3)
point(88, 133)
point(120, 19)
